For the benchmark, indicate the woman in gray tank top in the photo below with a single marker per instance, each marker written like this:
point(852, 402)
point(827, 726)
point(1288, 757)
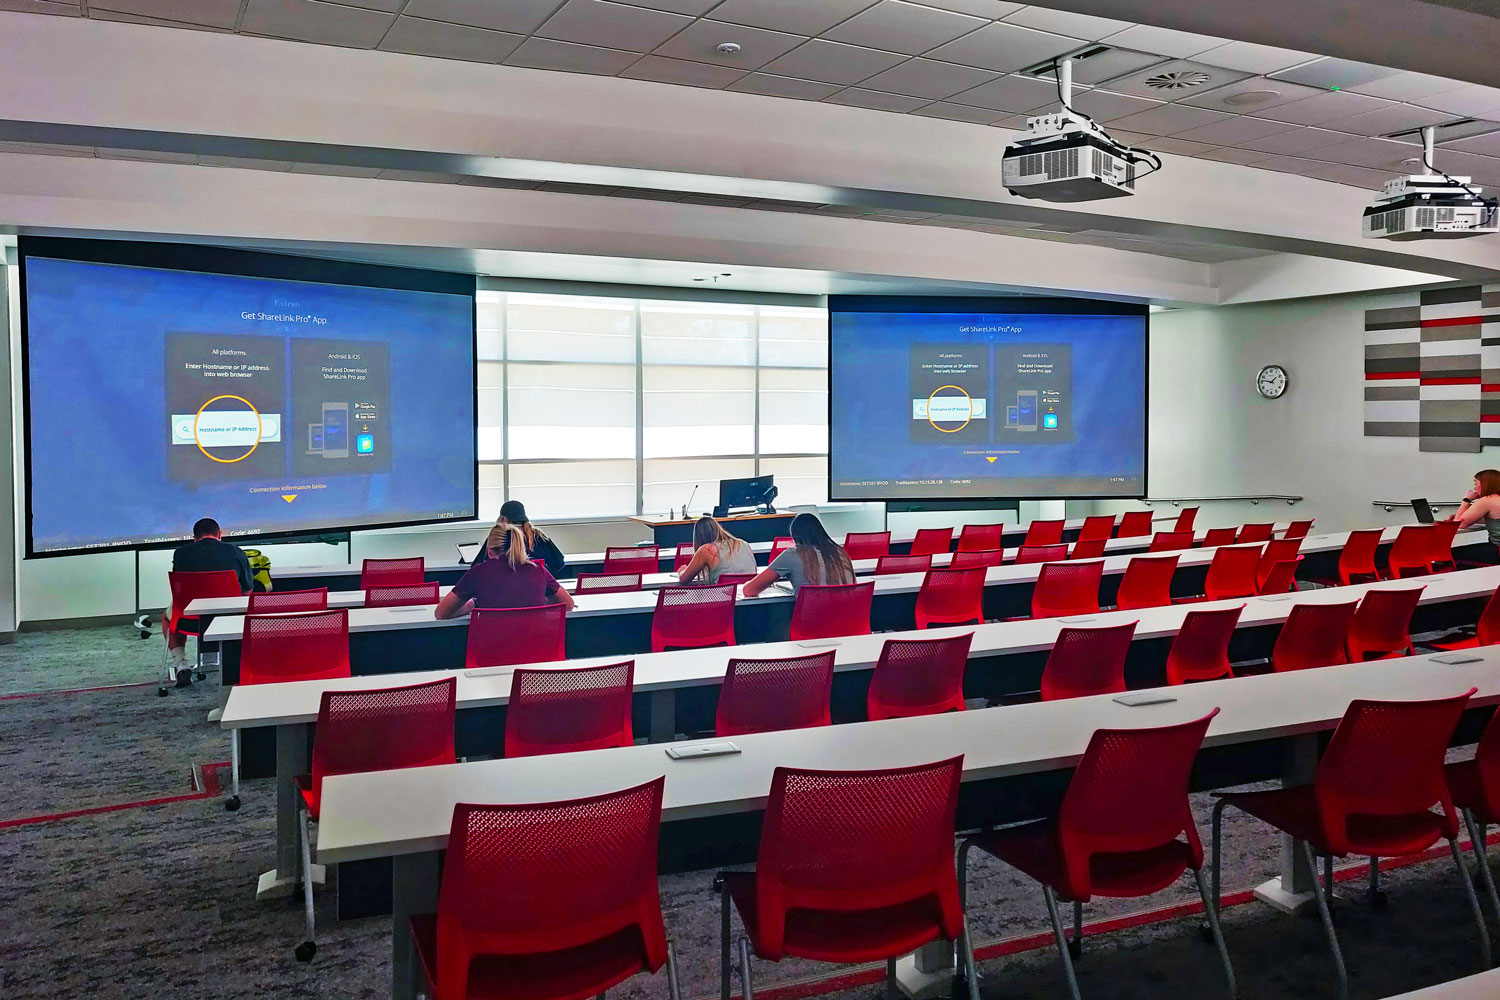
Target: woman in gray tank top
point(716, 552)
point(1482, 503)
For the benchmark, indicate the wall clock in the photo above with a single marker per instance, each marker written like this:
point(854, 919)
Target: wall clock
point(1271, 381)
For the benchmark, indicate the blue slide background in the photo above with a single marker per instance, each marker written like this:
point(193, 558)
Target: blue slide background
point(870, 395)
point(99, 430)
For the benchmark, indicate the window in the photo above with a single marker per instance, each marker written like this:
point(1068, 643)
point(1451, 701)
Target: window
point(603, 407)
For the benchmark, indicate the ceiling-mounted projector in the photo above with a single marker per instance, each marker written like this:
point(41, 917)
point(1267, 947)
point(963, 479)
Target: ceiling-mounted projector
point(1065, 156)
point(1430, 206)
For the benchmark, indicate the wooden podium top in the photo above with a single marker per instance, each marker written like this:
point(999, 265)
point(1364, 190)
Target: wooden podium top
point(662, 522)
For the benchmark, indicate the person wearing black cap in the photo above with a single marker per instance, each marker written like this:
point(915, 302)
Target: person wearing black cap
point(538, 545)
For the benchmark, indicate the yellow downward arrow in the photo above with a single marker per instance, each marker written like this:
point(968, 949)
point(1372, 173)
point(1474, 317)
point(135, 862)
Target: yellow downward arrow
point(990, 459)
point(289, 497)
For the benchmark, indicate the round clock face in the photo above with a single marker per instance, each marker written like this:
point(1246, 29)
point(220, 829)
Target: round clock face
point(1271, 381)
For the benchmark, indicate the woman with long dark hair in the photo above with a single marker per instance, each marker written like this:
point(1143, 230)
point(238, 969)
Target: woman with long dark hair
point(716, 551)
point(816, 558)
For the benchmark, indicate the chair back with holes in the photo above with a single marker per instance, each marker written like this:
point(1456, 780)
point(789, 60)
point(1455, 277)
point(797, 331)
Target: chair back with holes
point(1275, 551)
point(978, 537)
point(309, 646)
point(1100, 527)
point(977, 558)
point(1088, 548)
point(188, 587)
point(1489, 621)
point(1255, 533)
point(546, 877)
point(693, 617)
point(392, 572)
point(568, 709)
point(401, 595)
point(831, 841)
point(382, 729)
point(1087, 661)
point(951, 597)
point(607, 583)
point(1185, 519)
point(1411, 552)
point(1147, 583)
point(867, 544)
point(1357, 558)
point(891, 565)
point(1313, 636)
point(919, 677)
point(1487, 762)
point(271, 602)
point(735, 579)
point(1128, 796)
point(1171, 541)
point(825, 611)
point(769, 695)
point(1298, 529)
point(1067, 588)
point(1134, 523)
point(632, 559)
point(931, 541)
point(1231, 573)
point(1282, 577)
point(1041, 553)
point(1381, 626)
point(779, 546)
point(1043, 533)
point(501, 637)
point(684, 556)
point(1200, 650)
point(1386, 759)
point(1440, 536)
point(1214, 537)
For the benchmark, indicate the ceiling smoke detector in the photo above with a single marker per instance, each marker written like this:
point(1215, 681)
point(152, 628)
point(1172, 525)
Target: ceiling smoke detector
point(1251, 97)
point(1181, 80)
point(729, 48)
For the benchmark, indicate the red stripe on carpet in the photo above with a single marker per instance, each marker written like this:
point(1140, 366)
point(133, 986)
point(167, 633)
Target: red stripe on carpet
point(1386, 376)
point(1453, 321)
point(105, 687)
point(205, 779)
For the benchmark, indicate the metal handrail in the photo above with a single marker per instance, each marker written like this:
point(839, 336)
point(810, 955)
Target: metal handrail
point(1179, 501)
point(1391, 505)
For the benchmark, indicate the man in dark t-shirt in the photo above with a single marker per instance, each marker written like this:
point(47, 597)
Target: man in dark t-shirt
point(205, 553)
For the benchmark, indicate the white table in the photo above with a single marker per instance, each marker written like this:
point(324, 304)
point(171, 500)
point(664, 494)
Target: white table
point(1485, 986)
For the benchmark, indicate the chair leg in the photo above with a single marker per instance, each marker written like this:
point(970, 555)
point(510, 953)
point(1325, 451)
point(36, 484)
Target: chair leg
point(747, 992)
point(890, 979)
point(1481, 856)
point(971, 971)
point(964, 945)
point(1062, 941)
point(1463, 876)
point(1218, 835)
point(674, 988)
point(1075, 947)
point(233, 802)
point(1211, 912)
point(309, 947)
point(725, 959)
point(1320, 893)
point(1376, 895)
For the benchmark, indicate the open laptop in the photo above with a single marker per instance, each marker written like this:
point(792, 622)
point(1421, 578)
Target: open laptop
point(1423, 510)
point(467, 551)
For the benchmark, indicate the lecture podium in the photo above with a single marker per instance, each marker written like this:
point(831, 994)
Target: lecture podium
point(750, 527)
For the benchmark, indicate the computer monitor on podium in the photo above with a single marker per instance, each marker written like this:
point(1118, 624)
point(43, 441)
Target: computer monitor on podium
point(741, 493)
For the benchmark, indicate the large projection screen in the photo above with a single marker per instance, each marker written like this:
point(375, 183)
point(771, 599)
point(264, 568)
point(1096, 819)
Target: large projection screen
point(937, 398)
point(279, 395)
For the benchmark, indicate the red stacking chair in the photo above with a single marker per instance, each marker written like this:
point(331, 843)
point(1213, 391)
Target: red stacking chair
point(1487, 632)
point(1275, 551)
point(767, 695)
point(1041, 553)
point(867, 544)
point(976, 537)
point(1067, 588)
point(1185, 519)
point(607, 583)
point(392, 572)
point(1313, 636)
point(831, 610)
point(569, 709)
point(1475, 785)
point(1298, 529)
point(843, 877)
point(1357, 558)
point(1381, 626)
point(919, 677)
point(1043, 533)
point(1134, 523)
point(890, 565)
point(1147, 583)
point(1440, 537)
point(1411, 552)
point(1231, 573)
point(951, 597)
point(1281, 578)
point(401, 595)
point(532, 905)
point(692, 617)
point(735, 579)
point(1087, 661)
point(977, 558)
point(1255, 533)
point(1372, 795)
point(1200, 650)
point(685, 552)
point(186, 588)
point(779, 546)
point(502, 637)
point(1125, 830)
point(1170, 541)
point(382, 729)
point(1214, 537)
point(1088, 548)
point(632, 559)
point(270, 602)
point(931, 541)
point(1098, 527)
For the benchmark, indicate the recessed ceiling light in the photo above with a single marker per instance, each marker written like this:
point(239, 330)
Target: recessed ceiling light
point(1252, 97)
point(729, 48)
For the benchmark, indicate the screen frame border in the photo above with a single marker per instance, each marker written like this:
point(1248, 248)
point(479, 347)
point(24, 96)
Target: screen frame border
point(234, 262)
point(1043, 305)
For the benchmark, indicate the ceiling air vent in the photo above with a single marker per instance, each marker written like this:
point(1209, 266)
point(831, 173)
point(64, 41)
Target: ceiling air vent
point(1178, 81)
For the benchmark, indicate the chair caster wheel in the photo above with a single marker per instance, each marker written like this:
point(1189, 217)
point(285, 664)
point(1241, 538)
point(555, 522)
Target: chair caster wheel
point(161, 692)
point(306, 950)
point(1378, 899)
point(232, 804)
point(1206, 932)
point(199, 675)
point(1075, 949)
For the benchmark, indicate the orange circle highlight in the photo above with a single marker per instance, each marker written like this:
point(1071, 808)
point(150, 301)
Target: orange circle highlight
point(943, 430)
point(259, 429)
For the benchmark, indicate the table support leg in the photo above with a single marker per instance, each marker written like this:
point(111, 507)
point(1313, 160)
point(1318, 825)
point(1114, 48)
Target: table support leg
point(414, 891)
point(291, 760)
point(1293, 889)
point(927, 972)
point(663, 716)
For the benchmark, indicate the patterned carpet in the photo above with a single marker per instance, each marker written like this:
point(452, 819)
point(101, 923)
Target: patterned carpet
point(158, 901)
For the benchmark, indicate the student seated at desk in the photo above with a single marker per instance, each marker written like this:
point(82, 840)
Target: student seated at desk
point(538, 545)
point(1482, 503)
point(815, 559)
point(205, 553)
point(716, 552)
point(509, 578)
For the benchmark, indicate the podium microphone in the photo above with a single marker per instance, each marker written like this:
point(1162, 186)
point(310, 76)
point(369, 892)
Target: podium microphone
point(691, 496)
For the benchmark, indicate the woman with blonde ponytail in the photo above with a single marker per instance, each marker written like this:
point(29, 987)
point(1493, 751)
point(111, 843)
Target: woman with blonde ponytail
point(508, 578)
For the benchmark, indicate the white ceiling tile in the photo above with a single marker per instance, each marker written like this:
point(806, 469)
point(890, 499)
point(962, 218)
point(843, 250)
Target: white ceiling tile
point(958, 113)
point(1486, 144)
point(1005, 48)
point(1009, 93)
point(522, 16)
point(389, 6)
point(1101, 105)
point(1396, 118)
point(1254, 58)
point(1298, 140)
point(1062, 22)
point(1335, 74)
point(42, 7)
point(1233, 131)
point(1128, 137)
point(1467, 164)
point(449, 41)
point(417, 176)
point(1230, 154)
point(1176, 80)
point(1367, 152)
point(1164, 144)
point(928, 78)
point(149, 155)
point(855, 97)
point(100, 14)
point(544, 53)
point(833, 62)
point(1329, 106)
point(1406, 86)
point(1251, 95)
point(45, 148)
point(1470, 102)
point(692, 7)
point(1110, 64)
point(1169, 119)
point(899, 26)
point(701, 40)
point(335, 170)
point(615, 25)
point(313, 21)
point(680, 71)
point(214, 13)
point(1164, 41)
point(245, 162)
point(799, 17)
point(993, 9)
point(1292, 165)
point(782, 86)
point(1342, 173)
point(1454, 131)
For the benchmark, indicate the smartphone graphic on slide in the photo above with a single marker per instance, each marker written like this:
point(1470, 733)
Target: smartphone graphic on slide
point(1026, 409)
point(336, 428)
